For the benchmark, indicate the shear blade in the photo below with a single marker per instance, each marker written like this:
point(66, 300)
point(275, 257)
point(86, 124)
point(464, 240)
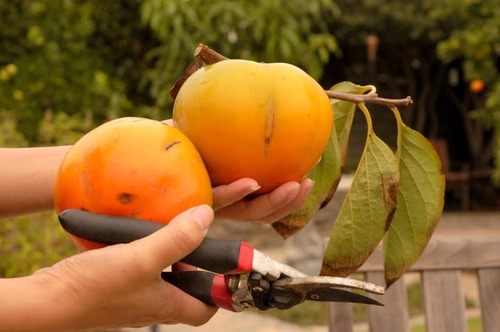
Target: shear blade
point(329, 294)
point(331, 289)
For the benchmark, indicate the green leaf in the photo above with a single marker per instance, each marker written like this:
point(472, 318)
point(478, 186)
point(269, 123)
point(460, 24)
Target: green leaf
point(420, 202)
point(326, 175)
point(344, 112)
point(367, 210)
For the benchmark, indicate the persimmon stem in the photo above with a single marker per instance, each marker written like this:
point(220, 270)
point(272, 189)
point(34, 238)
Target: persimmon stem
point(371, 98)
point(207, 56)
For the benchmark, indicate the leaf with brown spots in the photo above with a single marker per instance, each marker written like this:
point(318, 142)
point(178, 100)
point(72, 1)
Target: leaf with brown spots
point(367, 210)
point(420, 202)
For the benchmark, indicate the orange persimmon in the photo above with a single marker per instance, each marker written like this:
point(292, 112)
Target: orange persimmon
point(132, 167)
point(270, 122)
point(477, 85)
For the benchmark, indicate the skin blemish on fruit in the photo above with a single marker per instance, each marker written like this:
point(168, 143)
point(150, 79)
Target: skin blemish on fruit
point(171, 145)
point(126, 198)
point(270, 122)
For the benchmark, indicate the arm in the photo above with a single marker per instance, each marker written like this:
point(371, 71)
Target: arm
point(113, 287)
point(27, 178)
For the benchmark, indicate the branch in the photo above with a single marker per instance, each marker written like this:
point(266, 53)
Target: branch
point(371, 98)
point(207, 56)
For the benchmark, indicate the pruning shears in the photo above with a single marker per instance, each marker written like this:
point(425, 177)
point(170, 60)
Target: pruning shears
point(236, 276)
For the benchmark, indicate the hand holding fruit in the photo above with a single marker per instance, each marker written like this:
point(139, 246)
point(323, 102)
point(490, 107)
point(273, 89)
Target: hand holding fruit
point(231, 202)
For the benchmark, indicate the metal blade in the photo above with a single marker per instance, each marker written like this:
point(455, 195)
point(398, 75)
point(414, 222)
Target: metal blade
point(330, 289)
point(339, 295)
point(273, 269)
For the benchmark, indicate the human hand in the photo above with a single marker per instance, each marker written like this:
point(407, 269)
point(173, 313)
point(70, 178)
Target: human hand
point(121, 285)
point(231, 201)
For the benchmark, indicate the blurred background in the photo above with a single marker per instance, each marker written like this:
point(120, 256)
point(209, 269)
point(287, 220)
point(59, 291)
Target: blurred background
point(66, 66)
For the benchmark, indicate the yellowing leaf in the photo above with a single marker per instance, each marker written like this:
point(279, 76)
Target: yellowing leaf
point(367, 210)
point(420, 202)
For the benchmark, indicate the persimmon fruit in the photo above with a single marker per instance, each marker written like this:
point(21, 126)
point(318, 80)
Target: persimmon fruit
point(132, 167)
point(270, 122)
point(477, 85)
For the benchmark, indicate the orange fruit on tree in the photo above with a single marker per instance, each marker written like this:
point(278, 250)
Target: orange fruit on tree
point(132, 167)
point(477, 85)
point(270, 122)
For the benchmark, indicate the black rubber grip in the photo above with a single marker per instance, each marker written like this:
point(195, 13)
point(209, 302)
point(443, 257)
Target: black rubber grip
point(218, 256)
point(106, 229)
point(215, 255)
point(196, 283)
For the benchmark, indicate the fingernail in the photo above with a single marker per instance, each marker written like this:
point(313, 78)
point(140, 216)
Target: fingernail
point(293, 194)
point(203, 215)
point(252, 189)
point(311, 186)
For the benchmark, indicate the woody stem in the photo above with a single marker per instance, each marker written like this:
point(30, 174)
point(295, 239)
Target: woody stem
point(371, 98)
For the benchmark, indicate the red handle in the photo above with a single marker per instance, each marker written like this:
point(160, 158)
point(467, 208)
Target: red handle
point(207, 287)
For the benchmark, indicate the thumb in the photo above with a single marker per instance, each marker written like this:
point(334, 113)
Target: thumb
point(176, 240)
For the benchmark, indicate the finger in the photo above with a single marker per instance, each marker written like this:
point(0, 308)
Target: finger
point(198, 313)
point(180, 266)
point(169, 122)
point(226, 195)
point(305, 190)
point(174, 241)
point(263, 205)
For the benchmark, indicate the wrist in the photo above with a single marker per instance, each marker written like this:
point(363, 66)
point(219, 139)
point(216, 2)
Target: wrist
point(37, 303)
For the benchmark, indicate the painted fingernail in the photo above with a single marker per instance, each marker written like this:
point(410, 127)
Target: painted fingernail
point(203, 215)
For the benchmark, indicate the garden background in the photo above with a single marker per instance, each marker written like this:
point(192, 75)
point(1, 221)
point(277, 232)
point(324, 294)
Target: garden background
point(67, 66)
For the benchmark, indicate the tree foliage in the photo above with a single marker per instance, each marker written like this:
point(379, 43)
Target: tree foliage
point(475, 43)
point(69, 56)
point(98, 60)
point(292, 31)
point(407, 62)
